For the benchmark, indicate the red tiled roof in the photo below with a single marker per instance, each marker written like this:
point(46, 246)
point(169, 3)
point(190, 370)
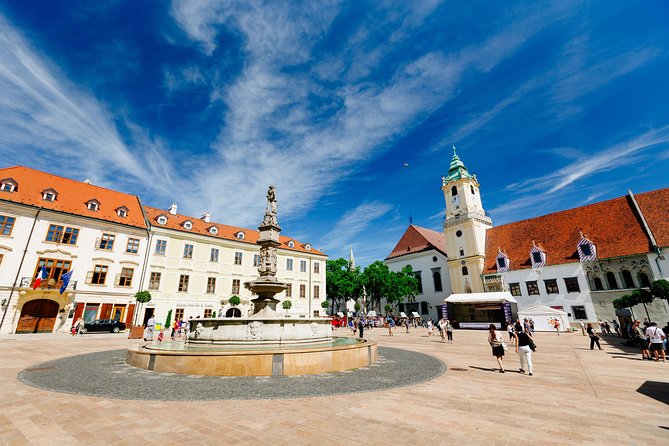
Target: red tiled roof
point(613, 226)
point(72, 196)
point(226, 232)
point(417, 239)
point(655, 208)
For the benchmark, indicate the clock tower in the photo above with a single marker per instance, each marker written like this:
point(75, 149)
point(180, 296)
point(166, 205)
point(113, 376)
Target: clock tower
point(465, 228)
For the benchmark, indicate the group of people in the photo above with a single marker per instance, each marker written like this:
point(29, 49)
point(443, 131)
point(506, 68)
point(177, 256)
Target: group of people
point(650, 339)
point(524, 344)
point(179, 328)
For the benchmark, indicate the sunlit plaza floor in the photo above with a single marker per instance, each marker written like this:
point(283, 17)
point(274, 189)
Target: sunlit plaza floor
point(576, 396)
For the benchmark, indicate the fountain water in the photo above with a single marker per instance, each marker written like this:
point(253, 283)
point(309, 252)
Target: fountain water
point(264, 343)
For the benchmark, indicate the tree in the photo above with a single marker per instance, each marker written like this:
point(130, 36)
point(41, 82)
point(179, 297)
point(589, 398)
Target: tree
point(168, 319)
point(213, 314)
point(357, 307)
point(141, 297)
point(639, 296)
point(342, 282)
point(376, 278)
point(286, 305)
point(388, 308)
point(234, 300)
point(660, 289)
point(401, 284)
point(324, 305)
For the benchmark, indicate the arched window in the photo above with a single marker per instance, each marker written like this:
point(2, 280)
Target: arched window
point(472, 188)
point(436, 277)
point(611, 279)
point(598, 284)
point(627, 278)
point(644, 281)
point(454, 191)
point(465, 272)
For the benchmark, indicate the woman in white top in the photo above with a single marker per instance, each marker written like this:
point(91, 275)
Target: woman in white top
point(496, 341)
point(429, 327)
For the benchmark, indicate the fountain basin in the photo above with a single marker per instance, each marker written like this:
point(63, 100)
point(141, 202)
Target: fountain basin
point(335, 355)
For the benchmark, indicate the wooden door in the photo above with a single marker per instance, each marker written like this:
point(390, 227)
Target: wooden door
point(38, 316)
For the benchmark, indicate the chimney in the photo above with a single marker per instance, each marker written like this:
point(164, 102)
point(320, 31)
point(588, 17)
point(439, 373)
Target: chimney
point(206, 217)
point(172, 209)
point(88, 181)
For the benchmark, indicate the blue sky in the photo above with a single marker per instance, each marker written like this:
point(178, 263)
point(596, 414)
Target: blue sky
point(552, 105)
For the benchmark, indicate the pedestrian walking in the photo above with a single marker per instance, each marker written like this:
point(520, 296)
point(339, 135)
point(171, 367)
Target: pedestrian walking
point(524, 349)
point(510, 330)
point(361, 327)
point(640, 339)
point(594, 338)
point(498, 346)
point(557, 326)
point(582, 327)
point(430, 328)
point(150, 328)
point(449, 331)
point(442, 328)
point(78, 326)
point(389, 321)
point(656, 337)
point(616, 328)
point(407, 323)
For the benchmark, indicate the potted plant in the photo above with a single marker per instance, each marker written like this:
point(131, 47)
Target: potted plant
point(286, 305)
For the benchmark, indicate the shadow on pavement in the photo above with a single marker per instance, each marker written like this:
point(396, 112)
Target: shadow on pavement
point(495, 369)
point(655, 389)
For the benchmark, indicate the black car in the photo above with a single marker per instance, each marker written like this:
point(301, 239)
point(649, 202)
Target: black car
point(109, 325)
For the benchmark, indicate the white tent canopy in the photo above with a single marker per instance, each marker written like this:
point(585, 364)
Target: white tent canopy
point(403, 314)
point(481, 298)
point(414, 314)
point(543, 317)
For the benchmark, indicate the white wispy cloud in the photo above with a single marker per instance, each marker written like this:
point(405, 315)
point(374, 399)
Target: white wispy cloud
point(352, 223)
point(45, 117)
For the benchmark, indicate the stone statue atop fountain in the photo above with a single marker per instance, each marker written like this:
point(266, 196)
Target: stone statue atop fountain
point(271, 209)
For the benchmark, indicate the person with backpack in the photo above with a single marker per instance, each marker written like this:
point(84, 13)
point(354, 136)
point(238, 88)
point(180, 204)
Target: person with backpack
point(656, 337)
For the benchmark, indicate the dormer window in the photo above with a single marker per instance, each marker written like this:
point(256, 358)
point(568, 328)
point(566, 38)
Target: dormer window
point(49, 194)
point(586, 249)
point(307, 247)
point(93, 205)
point(537, 256)
point(291, 244)
point(240, 235)
point(161, 220)
point(213, 230)
point(502, 262)
point(188, 225)
point(122, 212)
point(8, 185)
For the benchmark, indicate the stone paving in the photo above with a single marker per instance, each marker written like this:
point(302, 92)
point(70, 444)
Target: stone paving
point(576, 396)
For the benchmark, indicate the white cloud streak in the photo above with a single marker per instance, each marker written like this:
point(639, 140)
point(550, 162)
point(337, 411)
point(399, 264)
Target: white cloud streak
point(352, 224)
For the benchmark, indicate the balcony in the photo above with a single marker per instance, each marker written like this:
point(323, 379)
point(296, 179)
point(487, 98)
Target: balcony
point(48, 284)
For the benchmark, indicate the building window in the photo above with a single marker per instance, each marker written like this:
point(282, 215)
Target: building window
point(586, 250)
point(133, 246)
point(419, 279)
point(213, 256)
point(501, 262)
point(611, 279)
point(6, 224)
point(471, 187)
point(458, 233)
point(289, 290)
point(462, 252)
point(424, 309)
point(317, 268)
point(235, 286)
point(307, 247)
point(93, 205)
point(598, 284)
point(125, 278)
point(122, 212)
point(579, 312)
point(644, 281)
point(572, 284)
point(238, 258)
point(514, 289)
point(256, 259)
point(183, 283)
point(154, 281)
point(213, 230)
point(54, 268)
point(211, 285)
point(207, 312)
point(454, 191)
point(8, 185)
point(161, 246)
point(2, 256)
point(49, 195)
point(532, 288)
point(465, 271)
point(240, 235)
point(537, 257)
point(317, 290)
point(303, 291)
point(60, 234)
point(551, 286)
point(179, 314)
point(188, 225)
point(291, 244)
point(106, 242)
point(188, 251)
point(627, 278)
point(99, 275)
point(303, 266)
point(162, 220)
point(289, 264)
point(436, 278)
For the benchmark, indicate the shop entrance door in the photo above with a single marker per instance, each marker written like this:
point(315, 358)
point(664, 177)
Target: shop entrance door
point(38, 316)
point(147, 315)
point(117, 312)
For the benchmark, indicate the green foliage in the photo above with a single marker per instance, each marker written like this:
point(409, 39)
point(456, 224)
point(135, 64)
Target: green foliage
point(342, 282)
point(380, 283)
point(660, 289)
point(213, 314)
point(357, 306)
point(234, 300)
point(388, 308)
point(641, 296)
point(287, 304)
point(143, 297)
point(168, 319)
point(325, 304)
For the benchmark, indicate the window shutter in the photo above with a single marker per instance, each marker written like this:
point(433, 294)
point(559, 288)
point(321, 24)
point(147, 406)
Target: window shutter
point(97, 243)
point(89, 277)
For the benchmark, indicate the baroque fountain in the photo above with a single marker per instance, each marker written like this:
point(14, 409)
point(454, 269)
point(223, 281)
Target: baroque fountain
point(264, 343)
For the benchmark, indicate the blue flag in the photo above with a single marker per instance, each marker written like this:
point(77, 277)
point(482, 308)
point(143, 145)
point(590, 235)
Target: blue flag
point(66, 281)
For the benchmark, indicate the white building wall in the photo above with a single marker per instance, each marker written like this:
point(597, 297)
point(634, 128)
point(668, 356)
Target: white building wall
point(425, 263)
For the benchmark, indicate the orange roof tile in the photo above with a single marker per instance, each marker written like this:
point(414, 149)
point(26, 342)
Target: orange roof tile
point(655, 208)
point(417, 239)
point(226, 232)
point(611, 225)
point(72, 196)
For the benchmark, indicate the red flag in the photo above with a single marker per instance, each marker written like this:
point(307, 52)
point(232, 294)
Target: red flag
point(40, 276)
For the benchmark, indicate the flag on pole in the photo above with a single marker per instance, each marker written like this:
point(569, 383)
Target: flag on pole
point(41, 275)
point(66, 281)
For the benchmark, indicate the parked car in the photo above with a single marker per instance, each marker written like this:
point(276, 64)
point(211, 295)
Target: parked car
point(110, 325)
